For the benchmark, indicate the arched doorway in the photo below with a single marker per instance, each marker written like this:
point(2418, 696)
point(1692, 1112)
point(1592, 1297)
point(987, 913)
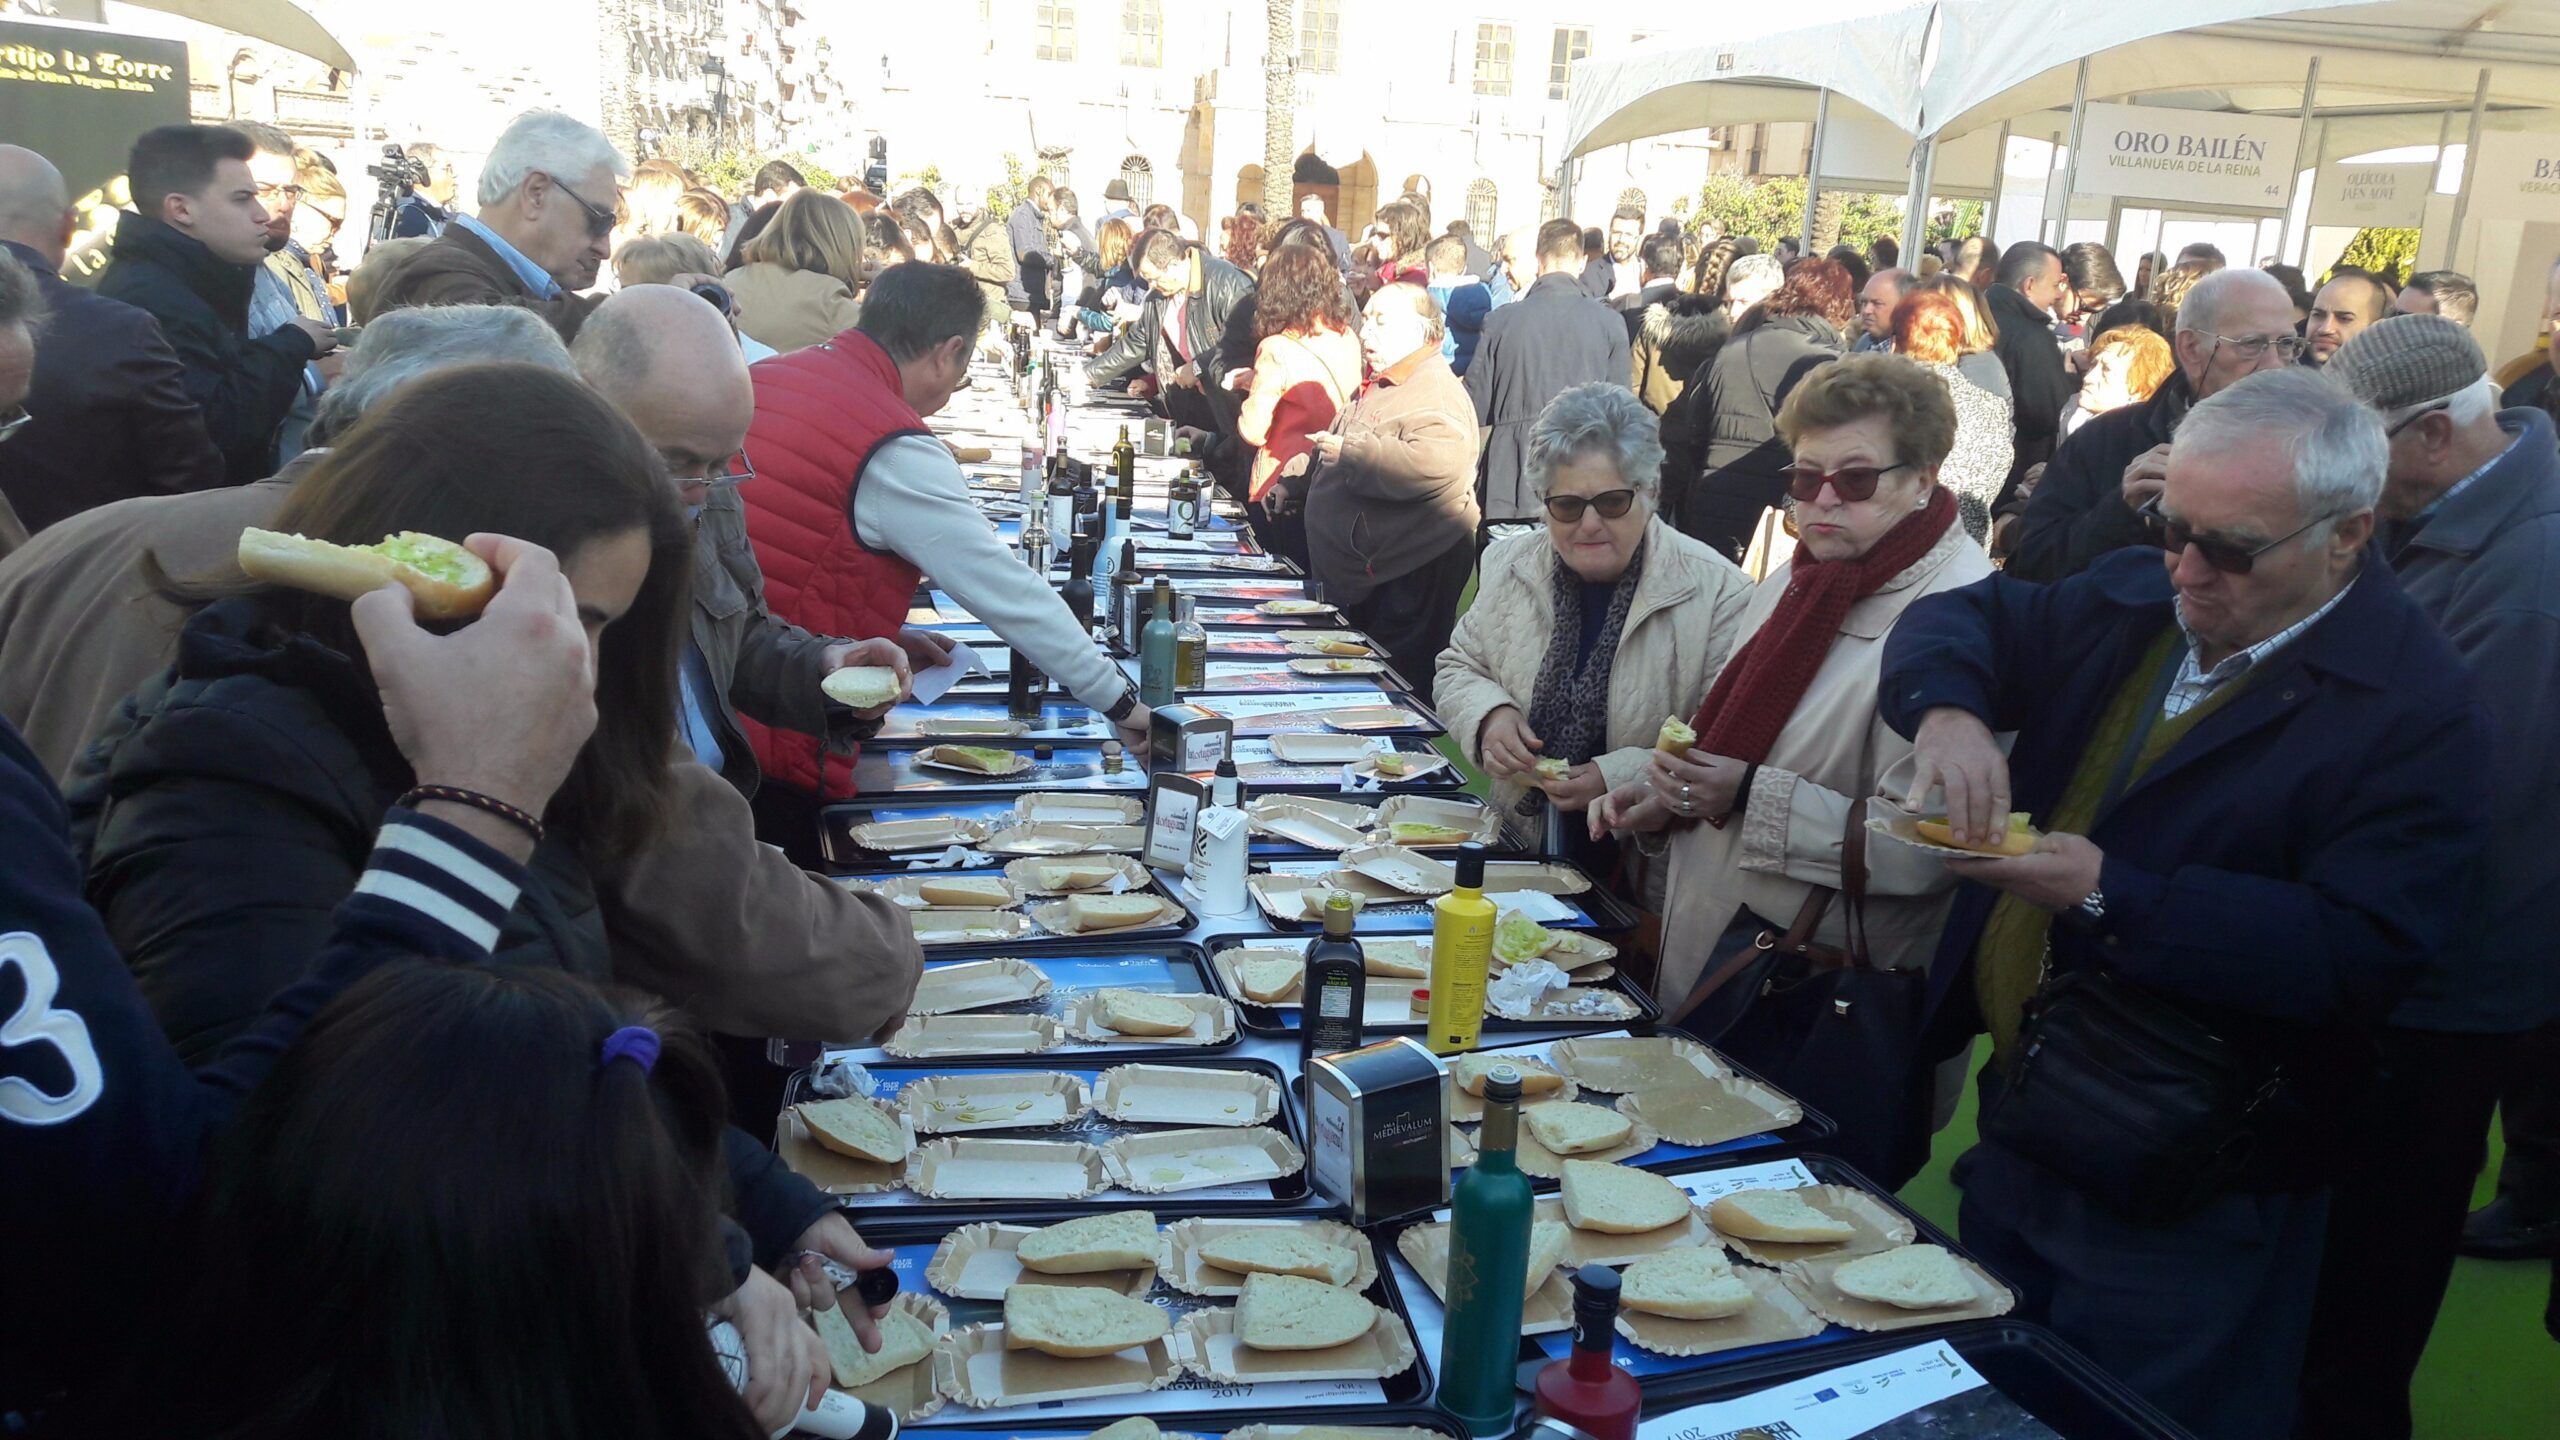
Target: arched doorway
point(1357, 185)
point(1310, 175)
point(1249, 187)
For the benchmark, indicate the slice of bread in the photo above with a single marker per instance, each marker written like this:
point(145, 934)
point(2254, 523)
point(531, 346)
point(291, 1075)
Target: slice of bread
point(1547, 1239)
point(1136, 1012)
point(1909, 1277)
point(1395, 959)
point(1776, 1215)
point(864, 687)
point(1074, 876)
point(1281, 1250)
point(857, 1128)
point(1079, 1324)
point(904, 1340)
point(1675, 737)
point(1136, 1427)
point(1692, 1283)
point(1110, 912)
point(1270, 980)
point(1117, 1240)
point(977, 892)
point(1576, 1129)
point(1537, 1077)
point(1289, 1312)
point(1615, 1200)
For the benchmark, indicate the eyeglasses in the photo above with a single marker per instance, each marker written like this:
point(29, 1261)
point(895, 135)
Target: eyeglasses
point(736, 471)
point(2250, 347)
point(2392, 430)
point(17, 420)
point(2222, 555)
point(1853, 483)
point(599, 222)
point(284, 192)
point(1612, 505)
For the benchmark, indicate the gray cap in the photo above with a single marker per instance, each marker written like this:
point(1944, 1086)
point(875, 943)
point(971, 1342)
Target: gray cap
point(2408, 360)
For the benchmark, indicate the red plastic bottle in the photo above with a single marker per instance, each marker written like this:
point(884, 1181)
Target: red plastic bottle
point(1586, 1390)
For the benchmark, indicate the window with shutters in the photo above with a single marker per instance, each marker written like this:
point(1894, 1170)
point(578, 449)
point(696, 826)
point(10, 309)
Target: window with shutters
point(1570, 46)
point(1142, 33)
point(1493, 59)
point(1053, 31)
point(1320, 36)
point(1481, 210)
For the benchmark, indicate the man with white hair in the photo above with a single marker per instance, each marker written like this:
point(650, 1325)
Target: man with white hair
point(2256, 762)
point(548, 196)
point(2234, 323)
point(2471, 525)
point(1750, 280)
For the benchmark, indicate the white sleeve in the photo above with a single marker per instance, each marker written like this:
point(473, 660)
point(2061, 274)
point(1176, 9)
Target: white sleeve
point(914, 501)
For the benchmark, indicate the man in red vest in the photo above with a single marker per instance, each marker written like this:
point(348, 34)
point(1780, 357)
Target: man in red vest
point(854, 497)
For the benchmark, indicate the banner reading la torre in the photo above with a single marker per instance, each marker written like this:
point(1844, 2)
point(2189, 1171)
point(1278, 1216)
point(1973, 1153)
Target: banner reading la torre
point(79, 98)
point(2192, 159)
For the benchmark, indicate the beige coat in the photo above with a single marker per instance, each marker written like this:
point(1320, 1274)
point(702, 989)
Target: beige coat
point(1686, 617)
point(1833, 751)
point(790, 309)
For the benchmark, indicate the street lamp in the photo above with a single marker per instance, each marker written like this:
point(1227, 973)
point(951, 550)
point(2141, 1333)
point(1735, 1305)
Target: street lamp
point(715, 77)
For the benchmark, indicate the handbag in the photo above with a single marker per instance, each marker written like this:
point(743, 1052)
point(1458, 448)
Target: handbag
point(1825, 1024)
point(2130, 1098)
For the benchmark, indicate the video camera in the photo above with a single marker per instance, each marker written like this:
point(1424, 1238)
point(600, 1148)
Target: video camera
point(396, 178)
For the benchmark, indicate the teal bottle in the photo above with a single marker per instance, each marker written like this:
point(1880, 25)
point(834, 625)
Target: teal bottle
point(1488, 1266)
point(1159, 647)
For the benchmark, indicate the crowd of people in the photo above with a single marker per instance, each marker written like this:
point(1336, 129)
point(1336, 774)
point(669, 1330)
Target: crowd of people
point(402, 989)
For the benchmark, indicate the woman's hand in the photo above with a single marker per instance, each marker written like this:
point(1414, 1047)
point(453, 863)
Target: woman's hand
point(1577, 788)
point(1240, 380)
point(787, 1366)
point(1506, 744)
point(886, 653)
point(833, 1238)
point(1328, 446)
point(1694, 788)
point(1630, 809)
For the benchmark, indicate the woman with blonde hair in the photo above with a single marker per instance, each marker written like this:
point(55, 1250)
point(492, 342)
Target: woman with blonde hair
point(702, 215)
point(650, 198)
point(801, 274)
point(1974, 358)
point(1929, 331)
point(659, 259)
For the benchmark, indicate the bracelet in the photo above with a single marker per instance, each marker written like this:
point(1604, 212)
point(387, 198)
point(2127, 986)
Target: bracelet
point(1742, 792)
point(487, 804)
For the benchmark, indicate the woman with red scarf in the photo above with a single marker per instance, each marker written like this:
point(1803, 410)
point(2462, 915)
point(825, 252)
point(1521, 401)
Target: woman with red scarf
point(1787, 738)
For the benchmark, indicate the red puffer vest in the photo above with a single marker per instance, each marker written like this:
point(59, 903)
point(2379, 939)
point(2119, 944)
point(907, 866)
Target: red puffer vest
point(820, 414)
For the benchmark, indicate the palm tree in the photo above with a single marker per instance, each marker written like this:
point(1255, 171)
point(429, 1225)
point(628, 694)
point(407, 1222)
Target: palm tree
point(1279, 108)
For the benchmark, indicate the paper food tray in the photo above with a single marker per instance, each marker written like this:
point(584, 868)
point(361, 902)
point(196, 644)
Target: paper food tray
point(1575, 952)
point(1056, 837)
point(1225, 962)
point(976, 1168)
point(1536, 1159)
point(908, 890)
point(977, 1262)
point(1406, 870)
point(937, 1037)
point(975, 985)
point(1712, 1112)
point(1185, 1270)
point(1777, 1313)
point(935, 832)
point(834, 1173)
point(1052, 916)
point(1624, 1064)
point(1597, 1247)
point(1309, 747)
point(908, 1391)
point(1544, 877)
point(1812, 1281)
point(934, 757)
point(1337, 665)
point(1904, 830)
point(1575, 1004)
point(1466, 1109)
point(1367, 719)
point(1293, 607)
point(973, 1367)
point(1316, 648)
point(1478, 822)
point(1292, 898)
point(1547, 1311)
point(953, 727)
point(1215, 1023)
point(1414, 765)
point(1206, 1344)
point(1125, 875)
point(1318, 825)
point(1067, 808)
point(967, 927)
point(962, 1102)
point(1879, 1227)
point(1181, 1095)
point(1167, 1161)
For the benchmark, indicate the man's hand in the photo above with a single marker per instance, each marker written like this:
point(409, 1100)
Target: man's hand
point(501, 706)
point(2058, 874)
point(1186, 375)
point(1240, 380)
point(1695, 786)
point(1578, 788)
point(1136, 727)
point(925, 648)
point(1630, 809)
point(1506, 743)
point(324, 336)
point(833, 1237)
point(1328, 446)
point(2146, 477)
point(787, 1366)
point(873, 652)
point(1954, 752)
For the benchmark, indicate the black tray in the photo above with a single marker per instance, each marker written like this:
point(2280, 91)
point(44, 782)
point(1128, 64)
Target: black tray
point(1290, 1194)
point(1217, 1426)
point(1060, 720)
point(1263, 773)
point(1170, 930)
point(1190, 1405)
point(1599, 909)
point(1262, 726)
point(1280, 1022)
point(2032, 1366)
point(1178, 968)
point(1506, 846)
point(836, 822)
point(1666, 1375)
point(1071, 766)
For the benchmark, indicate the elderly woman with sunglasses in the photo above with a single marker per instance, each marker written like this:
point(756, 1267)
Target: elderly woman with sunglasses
point(1588, 630)
point(1788, 740)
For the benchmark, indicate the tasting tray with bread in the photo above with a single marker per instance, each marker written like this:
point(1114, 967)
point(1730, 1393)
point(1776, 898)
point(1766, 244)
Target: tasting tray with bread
point(992, 1380)
point(1046, 1137)
point(1271, 765)
point(1708, 1306)
point(1075, 765)
point(894, 833)
point(1371, 710)
point(1555, 893)
point(982, 721)
point(1280, 674)
point(1044, 1017)
point(1305, 826)
point(1246, 969)
point(1035, 898)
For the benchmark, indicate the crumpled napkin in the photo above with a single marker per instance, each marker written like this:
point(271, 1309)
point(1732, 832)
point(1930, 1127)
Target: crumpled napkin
point(839, 1080)
point(958, 857)
point(1526, 986)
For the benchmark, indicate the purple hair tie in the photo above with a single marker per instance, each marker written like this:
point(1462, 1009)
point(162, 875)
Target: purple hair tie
point(636, 1043)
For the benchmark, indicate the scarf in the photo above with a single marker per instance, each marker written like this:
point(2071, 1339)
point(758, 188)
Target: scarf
point(1765, 680)
point(1569, 704)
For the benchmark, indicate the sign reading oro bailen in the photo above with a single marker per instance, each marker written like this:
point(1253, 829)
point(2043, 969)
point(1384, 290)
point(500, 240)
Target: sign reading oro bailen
point(2193, 159)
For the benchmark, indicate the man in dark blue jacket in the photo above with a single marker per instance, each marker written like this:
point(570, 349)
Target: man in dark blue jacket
point(2260, 770)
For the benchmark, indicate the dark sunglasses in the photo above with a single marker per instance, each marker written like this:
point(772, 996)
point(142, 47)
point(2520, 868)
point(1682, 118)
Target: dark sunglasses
point(599, 222)
point(1852, 483)
point(2222, 555)
point(1612, 505)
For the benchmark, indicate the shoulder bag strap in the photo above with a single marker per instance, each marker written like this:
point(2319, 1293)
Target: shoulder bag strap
point(1799, 935)
point(1853, 882)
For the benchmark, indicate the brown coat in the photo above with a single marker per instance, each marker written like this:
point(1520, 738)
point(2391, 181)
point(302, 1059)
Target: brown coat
point(709, 918)
point(461, 269)
point(790, 309)
point(1404, 490)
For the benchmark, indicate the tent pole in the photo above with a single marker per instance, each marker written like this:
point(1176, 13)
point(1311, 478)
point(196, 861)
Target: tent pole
point(1813, 166)
point(2301, 147)
point(2470, 167)
point(2071, 158)
point(1915, 217)
point(1999, 182)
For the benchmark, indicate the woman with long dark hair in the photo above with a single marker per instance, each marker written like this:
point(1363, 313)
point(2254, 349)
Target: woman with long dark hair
point(1306, 367)
point(1399, 232)
point(1733, 401)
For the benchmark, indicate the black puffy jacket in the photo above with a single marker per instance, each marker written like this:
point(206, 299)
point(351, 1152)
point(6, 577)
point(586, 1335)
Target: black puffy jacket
point(244, 384)
point(1733, 403)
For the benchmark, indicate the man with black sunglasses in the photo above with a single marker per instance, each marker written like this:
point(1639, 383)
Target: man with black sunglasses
point(2259, 767)
point(549, 193)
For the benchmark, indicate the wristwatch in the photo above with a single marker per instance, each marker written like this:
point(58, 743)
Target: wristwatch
point(2093, 906)
point(1121, 707)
